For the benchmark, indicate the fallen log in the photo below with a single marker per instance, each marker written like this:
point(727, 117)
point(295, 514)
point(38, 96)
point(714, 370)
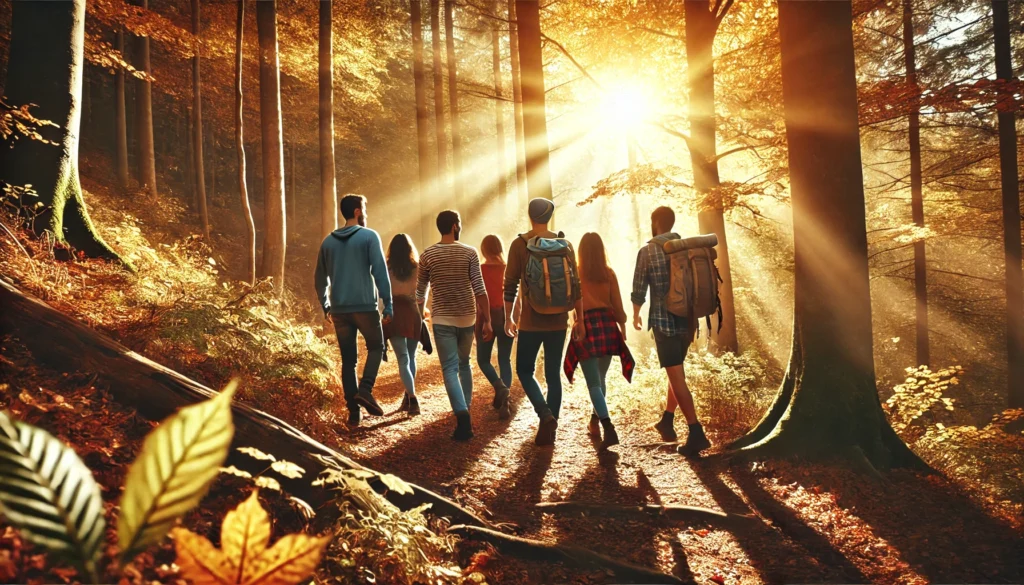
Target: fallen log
point(690, 514)
point(536, 550)
point(156, 392)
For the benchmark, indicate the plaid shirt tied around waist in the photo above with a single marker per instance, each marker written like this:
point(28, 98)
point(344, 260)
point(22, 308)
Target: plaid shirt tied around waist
point(653, 272)
point(603, 338)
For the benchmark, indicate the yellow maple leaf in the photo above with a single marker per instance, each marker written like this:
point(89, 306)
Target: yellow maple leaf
point(245, 558)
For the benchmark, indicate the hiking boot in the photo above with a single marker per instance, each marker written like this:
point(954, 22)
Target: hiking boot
point(367, 401)
point(500, 398)
point(666, 429)
point(414, 406)
point(610, 436)
point(353, 416)
point(696, 442)
point(546, 431)
point(463, 427)
point(405, 403)
point(594, 428)
point(504, 413)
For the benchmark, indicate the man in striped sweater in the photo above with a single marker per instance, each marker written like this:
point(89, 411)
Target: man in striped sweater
point(452, 271)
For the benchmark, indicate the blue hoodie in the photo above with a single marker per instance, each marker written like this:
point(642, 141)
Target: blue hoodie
point(351, 272)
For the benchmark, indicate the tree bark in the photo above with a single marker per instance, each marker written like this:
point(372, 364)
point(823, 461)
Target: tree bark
point(916, 192)
point(243, 190)
point(453, 101)
point(422, 119)
point(535, 126)
point(274, 240)
point(499, 118)
point(45, 68)
point(197, 125)
point(1011, 206)
point(517, 103)
point(832, 407)
point(701, 26)
point(121, 121)
point(440, 132)
point(144, 117)
point(328, 182)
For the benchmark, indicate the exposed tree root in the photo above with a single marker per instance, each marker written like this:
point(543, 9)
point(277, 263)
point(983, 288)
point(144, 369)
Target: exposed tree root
point(156, 392)
point(689, 514)
point(535, 550)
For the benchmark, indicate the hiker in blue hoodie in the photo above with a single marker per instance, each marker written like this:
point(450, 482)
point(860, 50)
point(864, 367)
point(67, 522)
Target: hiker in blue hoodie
point(351, 274)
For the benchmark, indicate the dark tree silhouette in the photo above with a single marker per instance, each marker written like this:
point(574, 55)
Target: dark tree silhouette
point(453, 100)
point(121, 121)
point(535, 125)
point(517, 102)
point(250, 243)
point(328, 186)
point(440, 131)
point(144, 116)
point(422, 117)
point(197, 124)
point(499, 118)
point(274, 237)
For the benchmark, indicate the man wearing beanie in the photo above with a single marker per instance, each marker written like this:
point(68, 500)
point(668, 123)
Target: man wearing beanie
point(536, 330)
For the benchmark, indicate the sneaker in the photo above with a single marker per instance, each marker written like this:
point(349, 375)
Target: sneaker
point(405, 403)
point(666, 429)
point(696, 442)
point(414, 406)
point(594, 428)
point(546, 431)
point(463, 427)
point(353, 416)
point(610, 436)
point(367, 401)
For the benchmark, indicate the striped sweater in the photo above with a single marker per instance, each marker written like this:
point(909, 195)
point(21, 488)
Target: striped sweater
point(452, 271)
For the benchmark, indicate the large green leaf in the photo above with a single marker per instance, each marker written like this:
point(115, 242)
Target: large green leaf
point(179, 460)
point(49, 495)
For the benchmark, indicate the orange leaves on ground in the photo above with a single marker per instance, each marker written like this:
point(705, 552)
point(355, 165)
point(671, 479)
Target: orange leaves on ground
point(244, 558)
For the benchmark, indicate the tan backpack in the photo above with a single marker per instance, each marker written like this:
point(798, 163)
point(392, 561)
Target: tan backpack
point(694, 278)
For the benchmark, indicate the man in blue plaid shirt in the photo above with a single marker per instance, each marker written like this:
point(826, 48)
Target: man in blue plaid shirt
point(672, 333)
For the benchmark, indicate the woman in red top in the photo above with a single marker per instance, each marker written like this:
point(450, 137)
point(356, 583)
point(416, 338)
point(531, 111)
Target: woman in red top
point(493, 269)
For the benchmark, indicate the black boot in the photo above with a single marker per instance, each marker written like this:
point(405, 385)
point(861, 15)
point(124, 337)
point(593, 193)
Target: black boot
point(414, 406)
point(463, 427)
point(594, 428)
point(501, 402)
point(666, 428)
point(353, 415)
point(610, 436)
point(405, 403)
point(546, 431)
point(696, 442)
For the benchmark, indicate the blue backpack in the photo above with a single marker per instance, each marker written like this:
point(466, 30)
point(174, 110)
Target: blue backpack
point(550, 276)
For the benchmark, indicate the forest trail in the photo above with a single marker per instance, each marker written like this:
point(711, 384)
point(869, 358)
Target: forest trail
point(844, 529)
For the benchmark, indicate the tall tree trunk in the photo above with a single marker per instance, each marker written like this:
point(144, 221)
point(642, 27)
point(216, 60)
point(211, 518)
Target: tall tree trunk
point(829, 404)
point(144, 117)
point(1011, 206)
point(197, 125)
point(441, 135)
point(274, 240)
point(517, 102)
point(45, 68)
point(121, 120)
point(535, 125)
point(243, 191)
point(453, 101)
point(701, 27)
point(499, 118)
point(328, 183)
point(292, 193)
point(916, 192)
point(422, 119)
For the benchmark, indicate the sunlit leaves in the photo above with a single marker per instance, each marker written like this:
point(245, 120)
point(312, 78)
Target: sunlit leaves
point(244, 558)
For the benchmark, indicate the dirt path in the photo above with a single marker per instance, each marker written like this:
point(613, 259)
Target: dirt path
point(817, 524)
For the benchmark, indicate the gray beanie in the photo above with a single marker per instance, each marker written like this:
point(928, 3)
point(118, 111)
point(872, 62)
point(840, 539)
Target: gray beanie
point(541, 210)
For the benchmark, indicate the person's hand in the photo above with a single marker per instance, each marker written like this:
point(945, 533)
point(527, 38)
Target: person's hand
point(488, 331)
point(638, 323)
point(579, 331)
point(386, 320)
point(511, 328)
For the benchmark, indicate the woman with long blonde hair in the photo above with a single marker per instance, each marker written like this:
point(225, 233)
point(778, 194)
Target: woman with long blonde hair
point(605, 333)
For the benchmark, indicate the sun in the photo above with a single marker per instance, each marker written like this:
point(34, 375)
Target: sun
point(625, 107)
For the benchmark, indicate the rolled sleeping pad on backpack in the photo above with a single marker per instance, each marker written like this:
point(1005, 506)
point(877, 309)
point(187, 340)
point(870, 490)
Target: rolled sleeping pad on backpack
point(703, 241)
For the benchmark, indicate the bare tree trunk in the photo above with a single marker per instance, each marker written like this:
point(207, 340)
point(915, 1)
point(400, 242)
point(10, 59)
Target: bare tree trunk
point(422, 118)
point(701, 27)
point(441, 135)
point(916, 192)
point(829, 404)
point(197, 125)
point(144, 117)
point(328, 183)
point(1011, 206)
point(240, 146)
point(274, 241)
point(517, 103)
point(499, 118)
point(121, 120)
point(535, 125)
point(293, 195)
point(453, 101)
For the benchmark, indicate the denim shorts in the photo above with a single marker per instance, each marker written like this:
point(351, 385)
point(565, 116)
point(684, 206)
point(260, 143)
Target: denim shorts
point(672, 348)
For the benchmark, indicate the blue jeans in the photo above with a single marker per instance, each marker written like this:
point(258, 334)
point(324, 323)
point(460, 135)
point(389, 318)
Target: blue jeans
point(483, 359)
point(595, 371)
point(405, 352)
point(346, 325)
point(453, 347)
point(530, 343)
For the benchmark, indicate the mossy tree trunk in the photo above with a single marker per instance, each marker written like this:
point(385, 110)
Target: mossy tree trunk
point(829, 403)
point(274, 239)
point(45, 68)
